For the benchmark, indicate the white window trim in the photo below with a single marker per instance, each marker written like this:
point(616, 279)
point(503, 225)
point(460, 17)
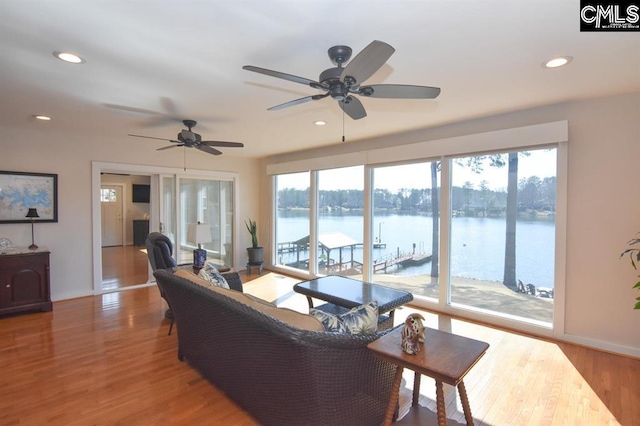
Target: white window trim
point(498, 140)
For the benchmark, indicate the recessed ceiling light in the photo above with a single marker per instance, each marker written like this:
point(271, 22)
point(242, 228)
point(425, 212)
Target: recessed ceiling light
point(68, 57)
point(319, 123)
point(42, 117)
point(559, 61)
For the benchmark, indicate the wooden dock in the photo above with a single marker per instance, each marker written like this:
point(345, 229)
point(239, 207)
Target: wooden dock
point(402, 260)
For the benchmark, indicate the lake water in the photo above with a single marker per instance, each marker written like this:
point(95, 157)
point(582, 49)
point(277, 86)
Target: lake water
point(477, 248)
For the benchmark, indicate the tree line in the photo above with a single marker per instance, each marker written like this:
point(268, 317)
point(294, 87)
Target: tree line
point(534, 194)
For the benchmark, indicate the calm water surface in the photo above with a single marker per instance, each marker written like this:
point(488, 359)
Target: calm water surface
point(477, 248)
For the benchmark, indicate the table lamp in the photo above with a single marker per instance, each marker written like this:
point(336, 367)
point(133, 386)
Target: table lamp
point(199, 233)
point(31, 214)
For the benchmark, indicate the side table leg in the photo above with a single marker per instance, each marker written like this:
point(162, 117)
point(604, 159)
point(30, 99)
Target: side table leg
point(442, 414)
point(465, 404)
point(416, 389)
point(393, 401)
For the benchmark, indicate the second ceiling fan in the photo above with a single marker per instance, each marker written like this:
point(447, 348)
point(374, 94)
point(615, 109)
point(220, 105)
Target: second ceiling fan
point(190, 139)
point(342, 82)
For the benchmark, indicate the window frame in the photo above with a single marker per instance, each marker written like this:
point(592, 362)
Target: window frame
point(537, 136)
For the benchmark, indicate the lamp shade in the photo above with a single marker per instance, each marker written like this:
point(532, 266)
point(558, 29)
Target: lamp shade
point(199, 233)
point(32, 213)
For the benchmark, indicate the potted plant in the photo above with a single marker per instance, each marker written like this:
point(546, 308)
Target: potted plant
point(255, 251)
point(634, 256)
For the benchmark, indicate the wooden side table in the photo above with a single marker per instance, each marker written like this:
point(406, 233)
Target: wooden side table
point(444, 356)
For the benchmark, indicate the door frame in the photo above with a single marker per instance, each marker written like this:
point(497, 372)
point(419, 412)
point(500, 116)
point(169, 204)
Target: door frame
point(98, 167)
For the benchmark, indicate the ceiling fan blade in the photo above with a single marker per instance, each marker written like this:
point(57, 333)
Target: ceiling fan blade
point(223, 144)
point(169, 147)
point(208, 149)
point(284, 76)
point(401, 91)
point(151, 137)
point(132, 109)
point(353, 108)
point(368, 61)
point(169, 106)
point(292, 103)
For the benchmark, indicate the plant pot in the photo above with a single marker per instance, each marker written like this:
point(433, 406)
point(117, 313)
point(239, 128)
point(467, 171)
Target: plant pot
point(255, 254)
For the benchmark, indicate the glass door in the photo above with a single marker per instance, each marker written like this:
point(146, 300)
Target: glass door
point(168, 207)
point(208, 201)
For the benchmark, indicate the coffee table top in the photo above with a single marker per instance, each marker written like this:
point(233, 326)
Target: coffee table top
point(443, 356)
point(349, 293)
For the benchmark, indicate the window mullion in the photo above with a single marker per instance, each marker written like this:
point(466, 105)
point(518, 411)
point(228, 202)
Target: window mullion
point(444, 281)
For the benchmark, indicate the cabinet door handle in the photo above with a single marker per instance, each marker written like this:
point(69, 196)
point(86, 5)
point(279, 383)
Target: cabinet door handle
point(8, 286)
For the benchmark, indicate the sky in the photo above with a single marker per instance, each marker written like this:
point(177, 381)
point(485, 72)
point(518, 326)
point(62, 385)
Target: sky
point(541, 163)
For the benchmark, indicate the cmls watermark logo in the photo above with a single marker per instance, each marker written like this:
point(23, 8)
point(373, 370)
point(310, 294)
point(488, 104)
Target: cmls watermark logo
point(618, 16)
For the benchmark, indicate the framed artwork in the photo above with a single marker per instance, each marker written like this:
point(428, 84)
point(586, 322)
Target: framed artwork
point(21, 191)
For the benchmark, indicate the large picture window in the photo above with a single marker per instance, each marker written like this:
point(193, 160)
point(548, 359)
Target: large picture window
point(503, 233)
point(406, 227)
point(340, 221)
point(292, 220)
point(474, 229)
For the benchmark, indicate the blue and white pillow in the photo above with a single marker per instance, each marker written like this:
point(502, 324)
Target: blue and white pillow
point(213, 276)
point(362, 319)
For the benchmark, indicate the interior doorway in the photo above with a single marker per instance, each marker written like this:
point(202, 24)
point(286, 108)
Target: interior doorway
point(122, 210)
point(176, 199)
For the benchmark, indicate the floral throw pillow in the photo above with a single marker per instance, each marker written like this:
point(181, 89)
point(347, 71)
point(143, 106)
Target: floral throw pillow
point(211, 274)
point(362, 319)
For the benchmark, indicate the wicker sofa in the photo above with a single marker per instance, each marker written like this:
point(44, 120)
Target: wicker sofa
point(282, 374)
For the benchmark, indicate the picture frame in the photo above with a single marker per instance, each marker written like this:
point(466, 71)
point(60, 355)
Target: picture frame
point(20, 191)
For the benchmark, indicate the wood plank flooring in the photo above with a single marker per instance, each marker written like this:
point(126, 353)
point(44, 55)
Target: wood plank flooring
point(124, 266)
point(108, 360)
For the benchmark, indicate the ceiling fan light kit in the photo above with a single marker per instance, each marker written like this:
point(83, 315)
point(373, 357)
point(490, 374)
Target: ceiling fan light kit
point(343, 82)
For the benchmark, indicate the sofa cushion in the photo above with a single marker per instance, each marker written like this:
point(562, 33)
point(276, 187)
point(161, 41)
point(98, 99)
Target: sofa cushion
point(288, 316)
point(211, 274)
point(362, 319)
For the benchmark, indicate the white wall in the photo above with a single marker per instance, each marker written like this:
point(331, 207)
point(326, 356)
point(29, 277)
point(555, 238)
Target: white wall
point(603, 207)
point(33, 149)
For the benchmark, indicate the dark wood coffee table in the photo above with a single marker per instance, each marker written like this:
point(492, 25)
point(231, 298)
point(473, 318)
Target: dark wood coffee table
point(444, 356)
point(344, 293)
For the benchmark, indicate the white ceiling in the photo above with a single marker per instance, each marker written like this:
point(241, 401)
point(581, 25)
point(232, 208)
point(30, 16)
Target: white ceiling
point(184, 59)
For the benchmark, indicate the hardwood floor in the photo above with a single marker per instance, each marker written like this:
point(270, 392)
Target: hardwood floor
point(124, 266)
point(108, 360)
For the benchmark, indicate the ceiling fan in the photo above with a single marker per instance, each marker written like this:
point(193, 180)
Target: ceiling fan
point(189, 139)
point(341, 82)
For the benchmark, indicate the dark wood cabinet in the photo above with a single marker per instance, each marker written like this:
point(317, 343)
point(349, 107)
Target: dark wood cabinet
point(140, 232)
point(24, 281)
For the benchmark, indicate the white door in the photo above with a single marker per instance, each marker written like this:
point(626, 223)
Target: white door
point(112, 221)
